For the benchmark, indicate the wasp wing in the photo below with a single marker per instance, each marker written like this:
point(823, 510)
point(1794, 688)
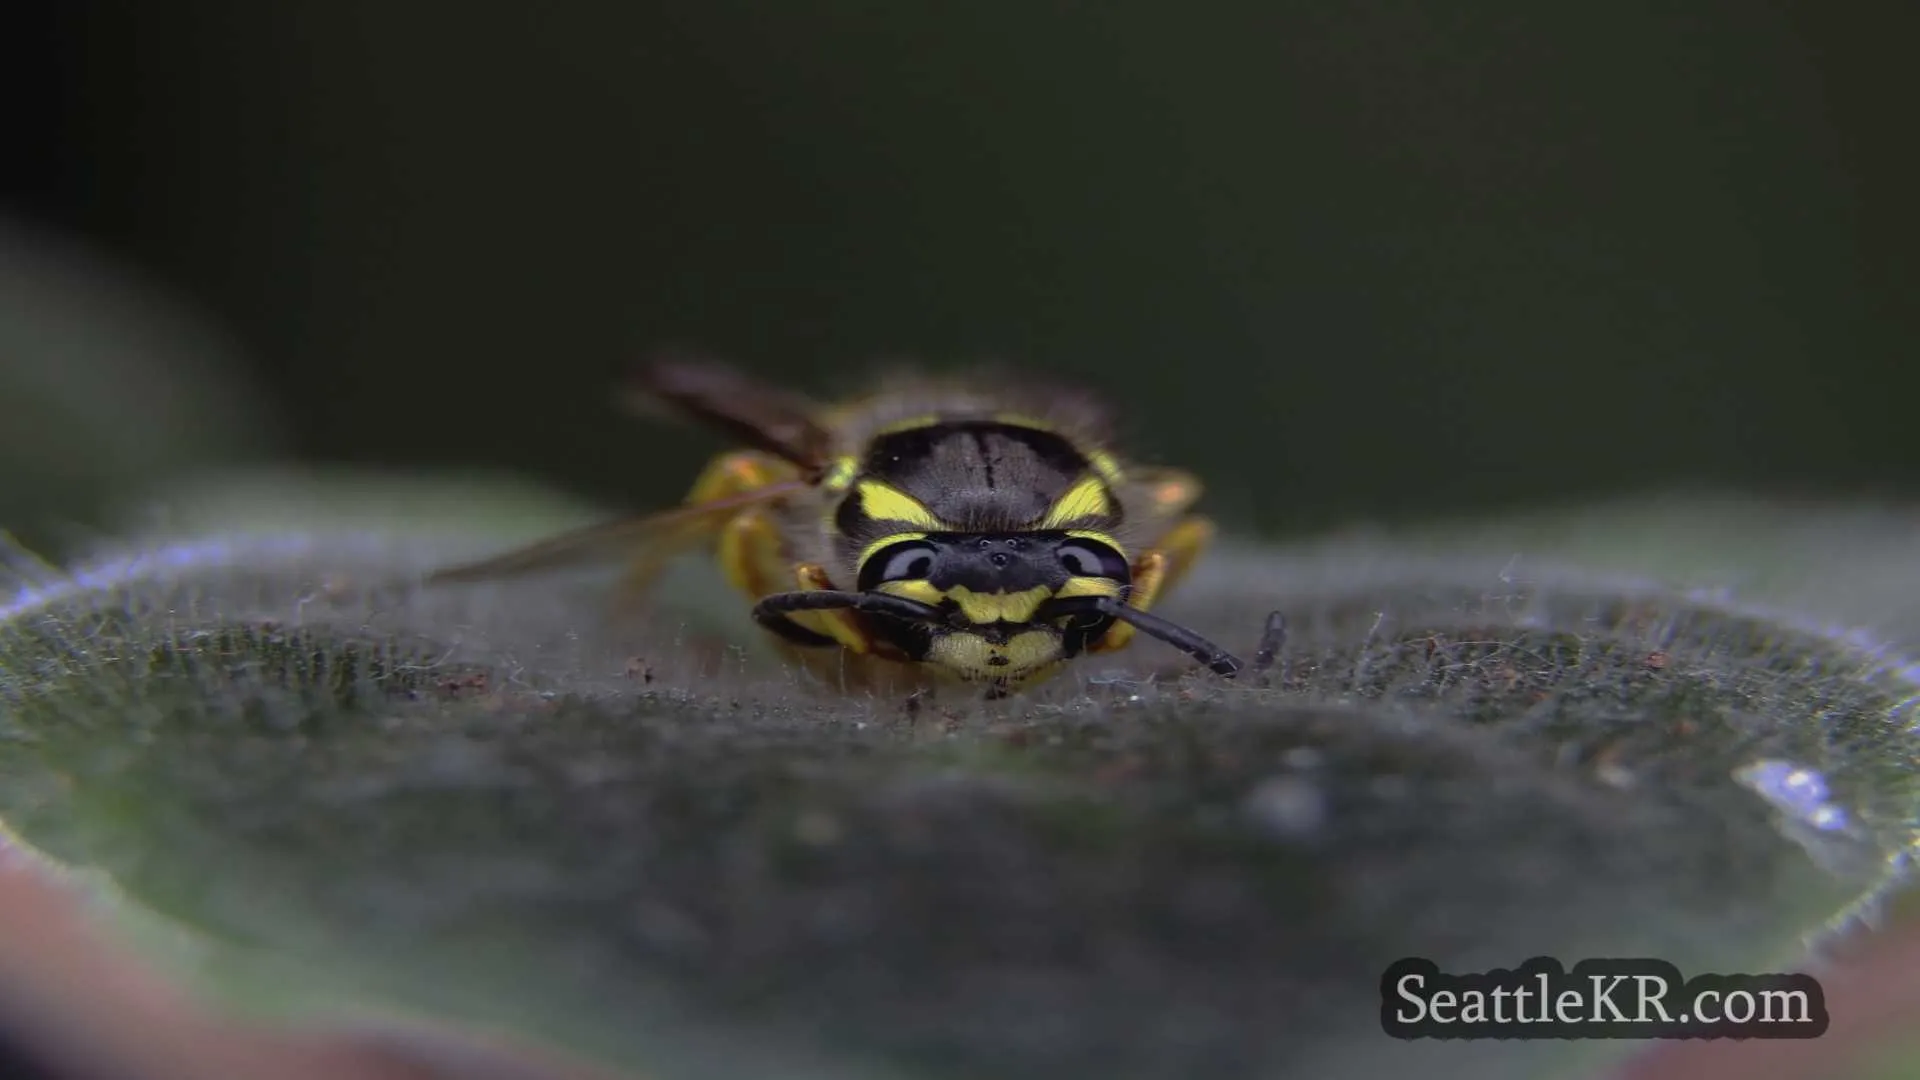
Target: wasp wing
point(758, 414)
point(647, 541)
point(1159, 496)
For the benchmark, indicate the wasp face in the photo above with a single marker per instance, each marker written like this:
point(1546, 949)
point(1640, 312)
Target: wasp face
point(994, 591)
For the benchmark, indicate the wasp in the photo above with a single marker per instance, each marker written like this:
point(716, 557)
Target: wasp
point(949, 526)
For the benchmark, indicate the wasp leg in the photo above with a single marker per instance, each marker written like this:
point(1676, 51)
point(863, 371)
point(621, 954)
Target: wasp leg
point(1167, 495)
point(754, 558)
point(1182, 546)
point(750, 553)
point(724, 477)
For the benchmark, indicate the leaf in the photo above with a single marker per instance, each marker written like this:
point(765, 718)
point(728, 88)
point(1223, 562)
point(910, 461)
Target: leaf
point(652, 845)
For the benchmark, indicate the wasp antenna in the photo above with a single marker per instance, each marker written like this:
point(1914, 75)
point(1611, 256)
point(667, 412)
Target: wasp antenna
point(1218, 660)
point(781, 604)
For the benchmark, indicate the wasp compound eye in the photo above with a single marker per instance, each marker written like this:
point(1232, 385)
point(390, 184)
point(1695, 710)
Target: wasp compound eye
point(911, 561)
point(1090, 558)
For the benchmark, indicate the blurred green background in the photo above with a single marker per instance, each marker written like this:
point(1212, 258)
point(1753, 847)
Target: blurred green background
point(1375, 260)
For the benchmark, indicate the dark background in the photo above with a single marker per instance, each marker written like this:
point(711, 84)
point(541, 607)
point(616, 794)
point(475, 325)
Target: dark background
point(1380, 260)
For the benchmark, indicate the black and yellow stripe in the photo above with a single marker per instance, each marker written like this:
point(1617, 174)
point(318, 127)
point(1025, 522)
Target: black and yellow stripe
point(971, 476)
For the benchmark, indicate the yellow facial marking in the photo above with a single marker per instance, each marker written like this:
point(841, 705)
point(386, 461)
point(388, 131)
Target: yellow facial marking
point(839, 476)
point(886, 503)
point(1086, 499)
point(995, 607)
point(973, 657)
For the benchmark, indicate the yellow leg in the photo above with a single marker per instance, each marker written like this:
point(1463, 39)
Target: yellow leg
point(736, 474)
point(755, 561)
point(1183, 545)
point(724, 477)
point(1156, 572)
point(752, 555)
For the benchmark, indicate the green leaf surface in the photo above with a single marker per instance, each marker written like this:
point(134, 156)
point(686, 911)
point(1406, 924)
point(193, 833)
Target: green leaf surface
point(650, 843)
